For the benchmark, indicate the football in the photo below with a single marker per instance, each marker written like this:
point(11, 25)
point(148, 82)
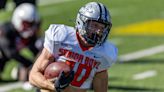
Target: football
point(53, 69)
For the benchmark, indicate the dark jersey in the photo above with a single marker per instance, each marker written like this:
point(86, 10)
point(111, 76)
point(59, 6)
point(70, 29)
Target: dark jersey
point(11, 43)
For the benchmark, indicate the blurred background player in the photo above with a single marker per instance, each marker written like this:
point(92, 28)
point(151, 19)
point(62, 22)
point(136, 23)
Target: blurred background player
point(21, 32)
point(85, 48)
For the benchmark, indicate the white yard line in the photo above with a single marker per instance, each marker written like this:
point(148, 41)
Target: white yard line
point(144, 75)
point(10, 86)
point(142, 53)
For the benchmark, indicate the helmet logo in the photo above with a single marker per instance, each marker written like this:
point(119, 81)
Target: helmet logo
point(89, 9)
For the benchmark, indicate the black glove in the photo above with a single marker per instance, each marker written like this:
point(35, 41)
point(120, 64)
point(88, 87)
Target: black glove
point(64, 80)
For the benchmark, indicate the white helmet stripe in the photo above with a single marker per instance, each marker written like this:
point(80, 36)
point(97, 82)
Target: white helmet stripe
point(100, 10)
point(105, 13)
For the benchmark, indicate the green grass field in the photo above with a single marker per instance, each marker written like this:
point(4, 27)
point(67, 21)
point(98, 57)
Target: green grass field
point(124, 12)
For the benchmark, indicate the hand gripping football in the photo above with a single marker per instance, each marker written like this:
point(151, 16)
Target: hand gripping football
point(54, 69)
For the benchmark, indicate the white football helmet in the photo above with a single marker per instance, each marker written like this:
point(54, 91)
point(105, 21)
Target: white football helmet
point(25, 19)
point(93, 11)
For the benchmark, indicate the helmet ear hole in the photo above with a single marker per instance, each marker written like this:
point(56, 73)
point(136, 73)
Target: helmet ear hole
point(78, 22)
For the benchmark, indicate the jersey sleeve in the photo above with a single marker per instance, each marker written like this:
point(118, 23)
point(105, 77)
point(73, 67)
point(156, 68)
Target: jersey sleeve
point(54, 35)
point(109, 57)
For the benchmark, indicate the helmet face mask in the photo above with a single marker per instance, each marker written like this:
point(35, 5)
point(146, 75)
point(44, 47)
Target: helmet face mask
point(93, 23)
point(28, 29)
point(95, 31)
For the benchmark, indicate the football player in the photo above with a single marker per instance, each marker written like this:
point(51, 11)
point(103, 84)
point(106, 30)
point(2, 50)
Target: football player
point(21, 32)
point(84, 48)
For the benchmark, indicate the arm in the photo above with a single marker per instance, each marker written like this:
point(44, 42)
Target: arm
point(100, 82)
point(36, 75)
point(24, 61)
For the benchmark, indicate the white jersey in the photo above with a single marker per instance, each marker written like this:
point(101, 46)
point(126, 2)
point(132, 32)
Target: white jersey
point(62, 42)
